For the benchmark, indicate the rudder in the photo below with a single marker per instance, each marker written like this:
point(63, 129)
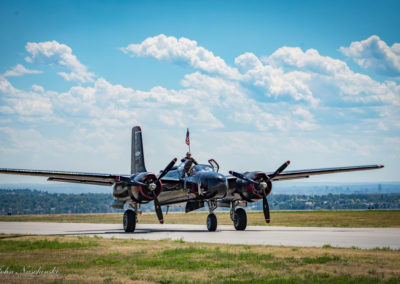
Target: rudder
point(137, 155)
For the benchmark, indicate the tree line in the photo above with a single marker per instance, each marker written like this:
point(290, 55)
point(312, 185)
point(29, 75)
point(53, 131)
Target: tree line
point(27, 201)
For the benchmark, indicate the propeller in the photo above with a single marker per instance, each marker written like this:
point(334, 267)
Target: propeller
point(263, 185)
point(130, 181)
point(167, 169)
point(157, 205)
point(243, 177)
point(152, 187)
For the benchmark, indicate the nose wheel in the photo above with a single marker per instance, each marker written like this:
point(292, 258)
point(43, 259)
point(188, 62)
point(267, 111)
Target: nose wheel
point(211, 218)
point(212, 222)
point(129, 221)
point(240, 219)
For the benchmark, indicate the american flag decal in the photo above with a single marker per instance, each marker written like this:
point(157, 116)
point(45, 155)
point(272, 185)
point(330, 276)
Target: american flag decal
point(187, 137)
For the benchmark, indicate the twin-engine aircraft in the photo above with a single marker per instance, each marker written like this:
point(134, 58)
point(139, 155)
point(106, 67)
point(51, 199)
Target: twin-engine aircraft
point(193, 185)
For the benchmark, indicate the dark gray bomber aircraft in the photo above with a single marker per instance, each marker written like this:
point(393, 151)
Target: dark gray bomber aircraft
point(188, 184)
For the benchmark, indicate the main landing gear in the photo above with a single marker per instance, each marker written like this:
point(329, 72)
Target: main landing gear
point(239, 218)
point(129, 221)
point(130, 218)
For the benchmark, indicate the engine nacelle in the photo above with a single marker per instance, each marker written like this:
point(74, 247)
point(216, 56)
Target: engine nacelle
point(146, 193)
point(139, 193)
point(251, 192)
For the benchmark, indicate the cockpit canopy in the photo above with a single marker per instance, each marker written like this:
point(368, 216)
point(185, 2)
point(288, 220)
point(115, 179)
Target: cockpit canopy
point(179, 170)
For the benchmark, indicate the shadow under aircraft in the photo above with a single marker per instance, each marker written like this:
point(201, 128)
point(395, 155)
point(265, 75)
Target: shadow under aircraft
point(188, 184)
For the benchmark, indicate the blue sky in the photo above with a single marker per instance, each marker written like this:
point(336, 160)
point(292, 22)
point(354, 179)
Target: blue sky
point(257, 82)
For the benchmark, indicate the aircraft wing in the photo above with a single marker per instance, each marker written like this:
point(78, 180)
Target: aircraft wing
point(298, 174)
point(72, 177)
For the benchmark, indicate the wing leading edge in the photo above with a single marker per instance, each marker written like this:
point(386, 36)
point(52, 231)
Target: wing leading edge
point(64, 176)
point(298, 174)
point(110, 179)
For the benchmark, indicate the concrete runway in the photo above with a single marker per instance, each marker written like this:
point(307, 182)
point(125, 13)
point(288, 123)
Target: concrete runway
point(365, 238)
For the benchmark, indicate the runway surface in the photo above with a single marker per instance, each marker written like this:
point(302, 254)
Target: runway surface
point(365, 238)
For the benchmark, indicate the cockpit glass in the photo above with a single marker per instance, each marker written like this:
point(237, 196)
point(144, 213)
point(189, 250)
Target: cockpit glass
point(204, 168)
point(196, 168)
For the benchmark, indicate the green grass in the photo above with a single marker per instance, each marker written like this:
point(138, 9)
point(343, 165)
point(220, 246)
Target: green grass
point(96, 260)
point(320, 259)
point(23, 245)
point(318, 218)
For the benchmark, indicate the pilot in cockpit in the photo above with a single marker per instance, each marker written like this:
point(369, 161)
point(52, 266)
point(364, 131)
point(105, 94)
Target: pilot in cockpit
point(189, 158)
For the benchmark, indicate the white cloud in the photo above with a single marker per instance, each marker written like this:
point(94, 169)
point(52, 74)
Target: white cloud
point(180, 51)
point(274, 80)
point(288, 105)
point(37, 88)
point(327, 73)
point(310, 61)
point(375, 55)
point(6, 110)
point(52, 52)
point(19, 70)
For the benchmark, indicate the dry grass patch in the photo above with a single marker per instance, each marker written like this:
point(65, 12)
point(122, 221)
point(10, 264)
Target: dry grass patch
point(100, 260)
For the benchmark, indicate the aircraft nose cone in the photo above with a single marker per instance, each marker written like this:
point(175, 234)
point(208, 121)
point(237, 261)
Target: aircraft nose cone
point(217, 186)
point(216, 180)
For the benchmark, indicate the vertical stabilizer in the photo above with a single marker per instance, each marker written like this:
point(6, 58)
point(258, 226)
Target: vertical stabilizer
point(137, 155)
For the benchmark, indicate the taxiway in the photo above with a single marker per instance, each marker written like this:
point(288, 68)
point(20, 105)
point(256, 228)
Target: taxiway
point(365, 238)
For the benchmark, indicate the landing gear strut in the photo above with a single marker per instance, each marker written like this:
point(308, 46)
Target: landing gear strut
point(211, 218)
point(239, 217)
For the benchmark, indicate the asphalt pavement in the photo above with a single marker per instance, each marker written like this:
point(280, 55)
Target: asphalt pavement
point(365, 238)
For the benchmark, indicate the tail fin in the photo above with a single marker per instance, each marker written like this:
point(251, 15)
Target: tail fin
point(137, 155)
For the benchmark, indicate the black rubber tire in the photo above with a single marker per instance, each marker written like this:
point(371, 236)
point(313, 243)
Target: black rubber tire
point(129, 221)
point(240, 220)
point(212, 222)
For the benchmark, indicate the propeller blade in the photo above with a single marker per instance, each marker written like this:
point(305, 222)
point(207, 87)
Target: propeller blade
point(279, 170)
point(238, 175)
point(266, 209)
point(158, 209)
point(167, 169)
point(138, 183)
point(132, 182)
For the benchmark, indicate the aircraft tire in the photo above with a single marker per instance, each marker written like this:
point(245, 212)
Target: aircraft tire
point(240, 221)
point(212, 222)
point(129, 221)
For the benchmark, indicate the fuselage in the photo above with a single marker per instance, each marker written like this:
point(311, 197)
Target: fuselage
point(201, 183)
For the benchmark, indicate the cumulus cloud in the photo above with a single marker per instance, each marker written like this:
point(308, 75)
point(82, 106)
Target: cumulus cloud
point(181, 51)
point(261, 110)
point(375, 55)
point(52, 52)
point(310, 61)
point(327, 74)
point(19, 70)
point(271, 95)
point(274, 80)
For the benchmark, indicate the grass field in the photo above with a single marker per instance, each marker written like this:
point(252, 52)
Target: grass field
point(365, 218)
point(96, 260)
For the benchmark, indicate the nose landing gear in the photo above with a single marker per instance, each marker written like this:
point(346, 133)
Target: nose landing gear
point(211, 218)
point(212, 222)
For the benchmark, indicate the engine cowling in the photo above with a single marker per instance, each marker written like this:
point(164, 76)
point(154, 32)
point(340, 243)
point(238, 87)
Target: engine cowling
point(250, 191)
point(143, 193)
